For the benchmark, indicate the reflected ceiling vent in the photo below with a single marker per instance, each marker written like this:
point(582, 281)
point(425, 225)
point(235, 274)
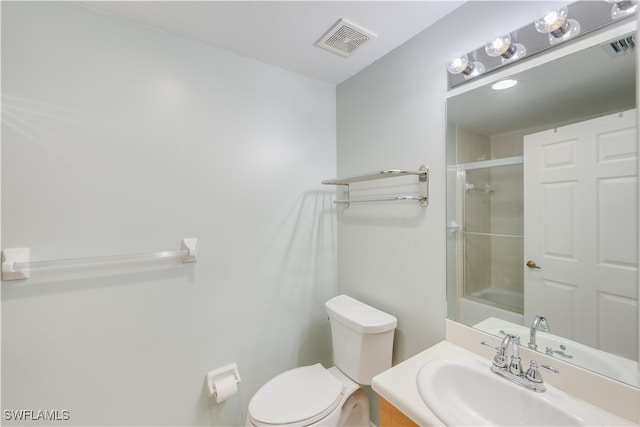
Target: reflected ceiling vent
point(344, 38)
point(621, 46)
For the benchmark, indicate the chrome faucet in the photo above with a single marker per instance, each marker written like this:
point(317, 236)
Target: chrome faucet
point(531, 379)
point(539, 322)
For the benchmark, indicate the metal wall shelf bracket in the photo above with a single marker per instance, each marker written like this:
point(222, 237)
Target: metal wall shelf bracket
point(423, 182)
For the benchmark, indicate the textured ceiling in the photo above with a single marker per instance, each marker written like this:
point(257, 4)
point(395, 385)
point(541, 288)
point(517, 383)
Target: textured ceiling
point(284, 33)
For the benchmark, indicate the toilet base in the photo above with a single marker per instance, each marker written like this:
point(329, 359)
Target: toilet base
point(355, 411)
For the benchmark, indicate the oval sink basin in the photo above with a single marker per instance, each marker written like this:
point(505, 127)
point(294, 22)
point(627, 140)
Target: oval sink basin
point(464, 391)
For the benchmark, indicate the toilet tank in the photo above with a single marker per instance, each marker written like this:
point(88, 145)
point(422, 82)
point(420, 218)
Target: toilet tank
point(362, 338)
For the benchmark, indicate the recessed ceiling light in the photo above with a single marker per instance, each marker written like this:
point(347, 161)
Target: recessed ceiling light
point(504, 84)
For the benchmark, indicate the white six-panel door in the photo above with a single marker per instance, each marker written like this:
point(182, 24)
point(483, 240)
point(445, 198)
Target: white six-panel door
point(580, 186)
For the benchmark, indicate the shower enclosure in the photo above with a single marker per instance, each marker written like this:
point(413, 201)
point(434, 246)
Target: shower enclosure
point(486, 225)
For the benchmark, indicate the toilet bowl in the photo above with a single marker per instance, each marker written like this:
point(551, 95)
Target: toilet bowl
point(313, 395)
point(309, 396)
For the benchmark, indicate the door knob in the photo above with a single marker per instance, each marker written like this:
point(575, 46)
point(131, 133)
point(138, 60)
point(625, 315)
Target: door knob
point(532, 264)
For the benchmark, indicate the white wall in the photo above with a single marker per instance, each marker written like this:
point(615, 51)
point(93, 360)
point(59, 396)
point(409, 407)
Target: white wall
point(392, 115)
point(117, 138)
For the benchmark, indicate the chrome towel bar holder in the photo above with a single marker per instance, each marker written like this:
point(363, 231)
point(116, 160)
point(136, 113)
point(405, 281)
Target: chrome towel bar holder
point(423, 182)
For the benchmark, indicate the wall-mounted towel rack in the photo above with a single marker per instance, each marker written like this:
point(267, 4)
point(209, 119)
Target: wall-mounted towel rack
point(17, 264)
point(423, 182)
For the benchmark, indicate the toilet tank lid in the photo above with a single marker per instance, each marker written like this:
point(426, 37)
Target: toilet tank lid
point(359, 316)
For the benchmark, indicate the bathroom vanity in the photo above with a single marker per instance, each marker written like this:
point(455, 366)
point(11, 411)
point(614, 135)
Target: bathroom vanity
point(392, 417)
point(600, 399)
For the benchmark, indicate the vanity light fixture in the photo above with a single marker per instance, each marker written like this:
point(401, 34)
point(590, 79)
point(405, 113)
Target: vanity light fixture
point(504, 84)
point(550, 29)
point(503, 47)
point(462, 65)
point(622, 8)
point(556, 23)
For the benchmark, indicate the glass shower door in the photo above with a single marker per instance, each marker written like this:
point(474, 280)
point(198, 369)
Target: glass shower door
point(490, 213)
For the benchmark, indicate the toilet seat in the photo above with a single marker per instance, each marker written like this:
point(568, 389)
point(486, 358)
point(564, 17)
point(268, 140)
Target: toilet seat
point(297, 397)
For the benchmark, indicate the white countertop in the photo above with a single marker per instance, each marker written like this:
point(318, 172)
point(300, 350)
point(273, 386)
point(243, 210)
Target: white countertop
point(398, 386)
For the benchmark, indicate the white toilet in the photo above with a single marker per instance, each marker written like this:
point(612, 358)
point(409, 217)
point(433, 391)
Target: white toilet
point(362, 339)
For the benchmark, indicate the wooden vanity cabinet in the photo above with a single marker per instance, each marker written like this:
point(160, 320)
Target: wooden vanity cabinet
point(390, 416)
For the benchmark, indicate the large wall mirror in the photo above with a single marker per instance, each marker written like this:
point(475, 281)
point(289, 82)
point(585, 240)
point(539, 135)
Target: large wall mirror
point(542, 203)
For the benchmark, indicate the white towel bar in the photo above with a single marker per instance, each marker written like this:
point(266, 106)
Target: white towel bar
point(16, 262)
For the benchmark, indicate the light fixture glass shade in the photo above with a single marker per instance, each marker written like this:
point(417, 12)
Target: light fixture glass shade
point(556, 23)
point(504, 84)
point(462, 65)
point(622, 8)
point(503, 47)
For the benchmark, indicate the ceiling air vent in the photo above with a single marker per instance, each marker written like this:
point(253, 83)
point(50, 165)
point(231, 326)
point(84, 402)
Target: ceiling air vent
point(621, 46)
point(344, 38)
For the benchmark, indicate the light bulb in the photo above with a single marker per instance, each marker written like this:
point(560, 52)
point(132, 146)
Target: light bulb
point(462, 65)
point(622, 8)
point(556, 23)
point(503, 47)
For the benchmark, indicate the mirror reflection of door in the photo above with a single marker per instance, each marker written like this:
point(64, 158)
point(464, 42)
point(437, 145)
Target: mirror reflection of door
point(580, 209)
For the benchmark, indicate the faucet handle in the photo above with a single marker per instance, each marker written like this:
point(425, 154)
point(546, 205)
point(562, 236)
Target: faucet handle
point(549, 368)
point(486, 344)
point(533, 373)
point(499, 360)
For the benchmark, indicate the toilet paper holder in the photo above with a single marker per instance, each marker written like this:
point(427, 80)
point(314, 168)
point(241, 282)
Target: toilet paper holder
point(219, 374)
